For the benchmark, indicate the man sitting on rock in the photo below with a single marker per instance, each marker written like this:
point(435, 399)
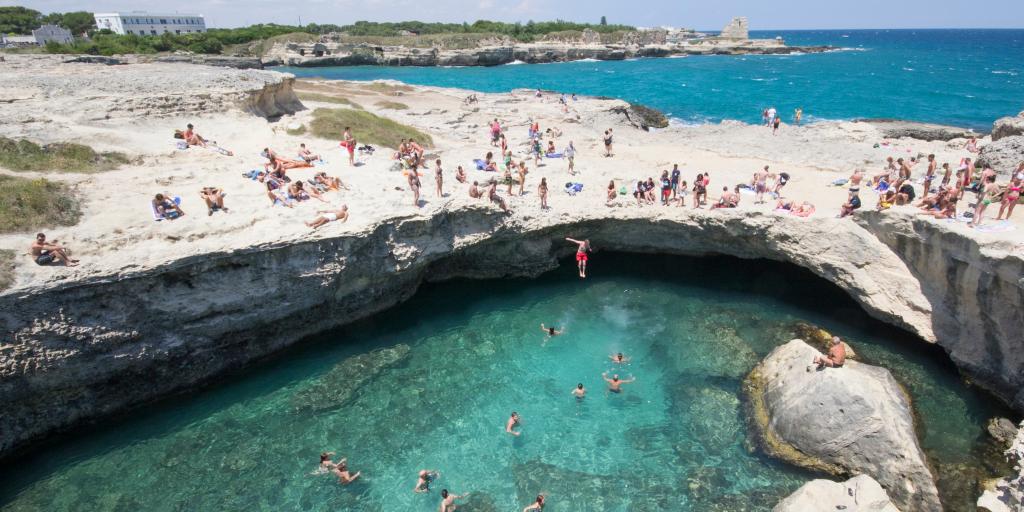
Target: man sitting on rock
point(835, 358)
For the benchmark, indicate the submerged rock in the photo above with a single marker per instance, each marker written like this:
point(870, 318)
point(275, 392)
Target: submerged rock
point(1002, 430)
point(854, 419)
point(339, 384)
point(1007, 494)
point(858, 494)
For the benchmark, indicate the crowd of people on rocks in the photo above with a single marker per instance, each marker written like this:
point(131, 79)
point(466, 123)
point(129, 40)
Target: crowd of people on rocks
point(964, 192)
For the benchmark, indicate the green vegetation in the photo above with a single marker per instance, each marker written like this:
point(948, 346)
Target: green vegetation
point(6, 269)
point(25, 155)
point(325, 98)
point(392, 105)
point(366, 127)
point(20, 20)
point(523, 32)
point(297, 131)
point(30, 204)
point(257, 39)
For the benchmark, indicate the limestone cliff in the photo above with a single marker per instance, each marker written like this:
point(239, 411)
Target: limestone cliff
point(77, 351)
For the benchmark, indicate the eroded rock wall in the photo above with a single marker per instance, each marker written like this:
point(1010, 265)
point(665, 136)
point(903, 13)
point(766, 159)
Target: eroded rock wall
point(976, 294)
point(74, 352)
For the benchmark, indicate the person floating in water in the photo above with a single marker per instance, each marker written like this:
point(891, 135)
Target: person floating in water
point(536, 505)
point(339, 470)
point(512, 423)
point(551, 331)
point(579, 392)
point(619, 358)
point(582, 248)
point(835, 358)
point(423, 483)
point(614, 383)
point(448, 500)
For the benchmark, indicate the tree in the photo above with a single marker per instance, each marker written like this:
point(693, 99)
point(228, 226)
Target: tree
point(604, 21)
point(78, 22)
point(19, 20)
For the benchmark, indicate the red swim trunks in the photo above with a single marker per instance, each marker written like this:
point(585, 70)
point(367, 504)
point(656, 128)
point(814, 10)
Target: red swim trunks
point(581, 256)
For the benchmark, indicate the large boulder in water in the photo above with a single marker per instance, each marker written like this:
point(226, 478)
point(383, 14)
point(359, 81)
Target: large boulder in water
point(858, 494)
point(1008, 127)
point(1003, 156)
point(850, 420)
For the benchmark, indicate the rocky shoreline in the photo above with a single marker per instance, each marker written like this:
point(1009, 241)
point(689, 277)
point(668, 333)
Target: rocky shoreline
point(368, 55)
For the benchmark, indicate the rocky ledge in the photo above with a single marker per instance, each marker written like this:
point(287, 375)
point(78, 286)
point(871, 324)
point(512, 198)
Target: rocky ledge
point(849, 420)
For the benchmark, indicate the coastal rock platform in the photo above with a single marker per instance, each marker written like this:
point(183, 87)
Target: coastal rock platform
point(158, 308)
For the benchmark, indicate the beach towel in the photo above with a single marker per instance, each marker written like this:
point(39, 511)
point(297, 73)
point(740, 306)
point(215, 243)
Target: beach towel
point(1000, 226)
point(252, 175)
point(480, 164)
point(573, 188)
point(840, 182)
point(747, 192)
point(554, 155)
point(180, 144)
point(156, 214)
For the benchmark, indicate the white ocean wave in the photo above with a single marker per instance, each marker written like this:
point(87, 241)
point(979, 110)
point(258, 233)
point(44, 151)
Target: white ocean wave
point(515, 63)
point(1003, 72)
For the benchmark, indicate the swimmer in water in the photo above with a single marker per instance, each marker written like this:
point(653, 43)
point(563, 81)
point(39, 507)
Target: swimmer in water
point(423, 483)
point(536, 505)
point(448, 500)
point(579, 391)
point(551, 331)
point(614, 383)
point(325, 461)
point(513, 422)
point(341, 471)
point(619, 358)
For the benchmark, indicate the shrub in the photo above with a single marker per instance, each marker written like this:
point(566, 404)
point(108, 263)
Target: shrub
point(366, 127)
point(297, 131)
point(25, 155)
point(35, 203)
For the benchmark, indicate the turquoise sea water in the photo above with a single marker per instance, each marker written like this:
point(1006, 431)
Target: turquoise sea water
point(429, 385)
point(961, 77)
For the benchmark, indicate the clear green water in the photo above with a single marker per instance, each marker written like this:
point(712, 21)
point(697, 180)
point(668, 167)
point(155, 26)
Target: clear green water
point(458, 358)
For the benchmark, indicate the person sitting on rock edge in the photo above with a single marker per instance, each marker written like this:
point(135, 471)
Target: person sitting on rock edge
point(835, 358)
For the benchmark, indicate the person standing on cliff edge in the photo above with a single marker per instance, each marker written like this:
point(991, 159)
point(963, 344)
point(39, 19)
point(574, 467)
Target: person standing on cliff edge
point(582, 248)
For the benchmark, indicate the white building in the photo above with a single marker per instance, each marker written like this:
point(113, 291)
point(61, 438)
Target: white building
point(150, 24)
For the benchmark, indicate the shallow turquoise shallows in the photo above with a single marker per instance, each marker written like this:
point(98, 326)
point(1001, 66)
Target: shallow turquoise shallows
point(431, 383)
point(960, 77)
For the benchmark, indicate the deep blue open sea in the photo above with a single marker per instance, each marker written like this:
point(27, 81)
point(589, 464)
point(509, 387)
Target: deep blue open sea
point(965, 78)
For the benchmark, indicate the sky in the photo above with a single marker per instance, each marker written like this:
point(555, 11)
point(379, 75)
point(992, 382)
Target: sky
point(702, 15)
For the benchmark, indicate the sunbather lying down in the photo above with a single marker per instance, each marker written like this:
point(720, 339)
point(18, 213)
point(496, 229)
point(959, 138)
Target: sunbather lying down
point(803, 209)
point(166, 208)
point(329, 216)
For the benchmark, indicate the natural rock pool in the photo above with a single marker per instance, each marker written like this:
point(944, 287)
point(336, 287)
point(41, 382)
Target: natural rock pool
point(429, 385)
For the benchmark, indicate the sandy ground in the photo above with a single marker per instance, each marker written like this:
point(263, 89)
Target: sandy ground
point(117, 232)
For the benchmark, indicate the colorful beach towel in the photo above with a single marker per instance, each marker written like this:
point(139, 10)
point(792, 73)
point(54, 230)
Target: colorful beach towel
point(156, 214)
